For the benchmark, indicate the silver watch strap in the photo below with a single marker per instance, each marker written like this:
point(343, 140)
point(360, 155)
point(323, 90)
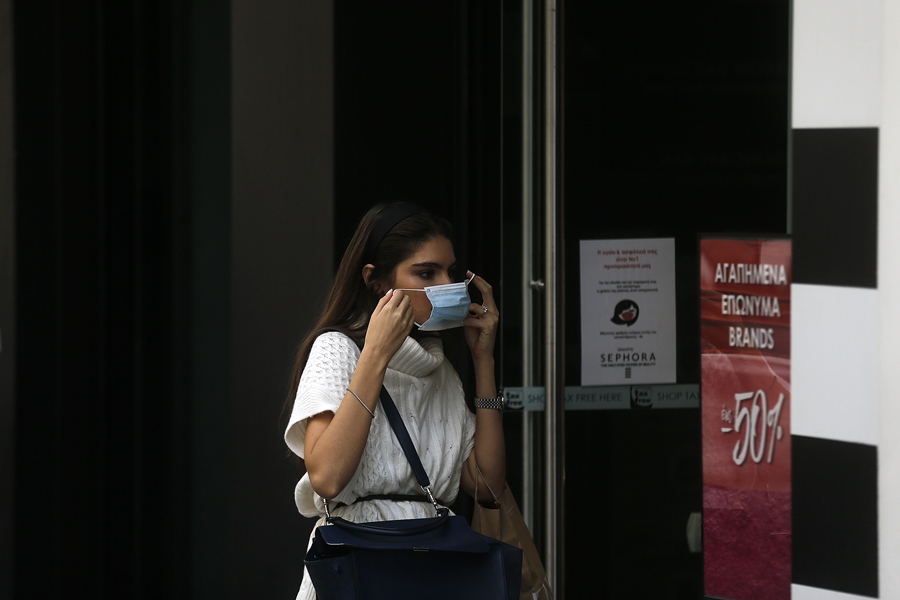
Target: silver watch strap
point(491, 403)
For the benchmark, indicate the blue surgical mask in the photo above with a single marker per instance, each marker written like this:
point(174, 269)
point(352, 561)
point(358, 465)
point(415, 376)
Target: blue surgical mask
point(449, 305)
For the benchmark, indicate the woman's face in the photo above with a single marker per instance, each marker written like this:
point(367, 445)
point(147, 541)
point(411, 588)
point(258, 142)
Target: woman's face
point(432, 264)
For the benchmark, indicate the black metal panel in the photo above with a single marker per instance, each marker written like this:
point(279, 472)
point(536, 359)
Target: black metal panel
point(835, 515)
point(835, 206)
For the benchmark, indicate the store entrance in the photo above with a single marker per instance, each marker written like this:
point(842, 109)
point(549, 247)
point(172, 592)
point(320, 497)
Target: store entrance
point(672, 121)
point(675, 124)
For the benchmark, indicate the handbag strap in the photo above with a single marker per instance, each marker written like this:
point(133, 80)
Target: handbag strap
point(399, 428)
point(393, 417)
point(480, 476)
point(406, 443)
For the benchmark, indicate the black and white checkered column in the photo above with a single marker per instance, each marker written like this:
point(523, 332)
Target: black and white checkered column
point(838, 95)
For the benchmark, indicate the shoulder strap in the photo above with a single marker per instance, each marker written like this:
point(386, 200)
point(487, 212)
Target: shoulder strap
point(399, 428)
point(393, 417)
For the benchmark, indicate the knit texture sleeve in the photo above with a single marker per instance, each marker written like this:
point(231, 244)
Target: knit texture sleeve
point(332, 361)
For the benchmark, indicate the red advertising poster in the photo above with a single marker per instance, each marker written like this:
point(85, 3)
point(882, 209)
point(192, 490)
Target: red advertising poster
point(745, 316)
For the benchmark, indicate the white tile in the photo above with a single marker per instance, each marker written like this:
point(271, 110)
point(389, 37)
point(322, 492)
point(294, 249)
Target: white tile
point(836, 72)
point(801, 592)
point(888, 301)
point(834, 366)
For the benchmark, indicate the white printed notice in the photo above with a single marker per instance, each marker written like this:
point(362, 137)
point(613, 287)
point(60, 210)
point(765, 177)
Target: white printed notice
point(627, 311)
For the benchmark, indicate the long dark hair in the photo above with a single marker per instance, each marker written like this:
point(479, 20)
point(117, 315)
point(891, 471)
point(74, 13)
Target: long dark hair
point(351, 300)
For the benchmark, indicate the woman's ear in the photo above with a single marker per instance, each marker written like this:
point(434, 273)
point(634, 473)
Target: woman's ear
point(367, 271)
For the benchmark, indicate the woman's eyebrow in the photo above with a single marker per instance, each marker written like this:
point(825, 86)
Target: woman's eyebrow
point(431, 265)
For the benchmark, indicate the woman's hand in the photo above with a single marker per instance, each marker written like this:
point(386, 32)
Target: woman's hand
point(481, 325)
point(335, 442)
point(389, 325)
point(490, 449)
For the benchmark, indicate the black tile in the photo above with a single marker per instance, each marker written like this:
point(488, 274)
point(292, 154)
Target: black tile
point(835, 206)
point(835, 515)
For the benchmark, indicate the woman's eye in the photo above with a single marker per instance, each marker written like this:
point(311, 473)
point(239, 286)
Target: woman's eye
point(426, 274)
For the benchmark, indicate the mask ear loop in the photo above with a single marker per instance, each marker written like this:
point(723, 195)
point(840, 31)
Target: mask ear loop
point(418, 325)
point(467, 282)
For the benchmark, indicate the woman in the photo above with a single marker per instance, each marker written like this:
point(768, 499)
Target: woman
point(377, 328)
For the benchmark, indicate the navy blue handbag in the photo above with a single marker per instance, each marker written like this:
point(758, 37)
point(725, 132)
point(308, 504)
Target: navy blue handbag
point(439, 558)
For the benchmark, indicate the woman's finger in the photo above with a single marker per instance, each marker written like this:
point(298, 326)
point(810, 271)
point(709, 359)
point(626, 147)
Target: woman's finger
point(481, 318)
point(481, 311)
point(405, 307)
point(487, 292)
point(477, 310)
point(383, 301)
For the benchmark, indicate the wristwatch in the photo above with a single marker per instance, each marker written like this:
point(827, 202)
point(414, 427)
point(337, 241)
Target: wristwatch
point(498, 403)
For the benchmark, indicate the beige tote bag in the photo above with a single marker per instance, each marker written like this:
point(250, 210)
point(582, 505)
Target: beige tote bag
point(503, 521)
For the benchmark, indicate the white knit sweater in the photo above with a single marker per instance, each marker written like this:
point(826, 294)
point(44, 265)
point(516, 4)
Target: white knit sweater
point(429, 396)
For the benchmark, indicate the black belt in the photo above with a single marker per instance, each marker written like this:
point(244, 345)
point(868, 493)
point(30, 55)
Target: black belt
point(392, 497)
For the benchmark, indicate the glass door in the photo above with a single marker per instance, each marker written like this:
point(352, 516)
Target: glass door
point(532, 367)
point(675, 125)
point(627, 127)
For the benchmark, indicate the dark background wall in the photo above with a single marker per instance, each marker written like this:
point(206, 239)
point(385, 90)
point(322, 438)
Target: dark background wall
point(282, 214)
point(171, 240)
point(7, 306)
point(418, 102)
point(183, 172)
point(102, 419)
